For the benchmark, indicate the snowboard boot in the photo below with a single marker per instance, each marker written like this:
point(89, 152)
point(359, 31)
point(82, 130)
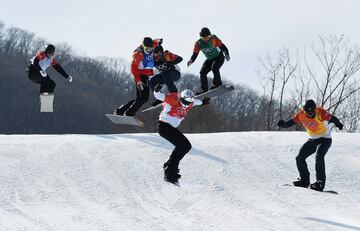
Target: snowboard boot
point(129, 114)
point(156, 102)
point(214, 86)
point(120, 110)
point(301, 183)
point(123, 108)
point(200, 91)
point(171, 174)
point(318, 185)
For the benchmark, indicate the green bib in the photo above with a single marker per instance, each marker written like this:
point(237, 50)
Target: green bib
point(208, 49)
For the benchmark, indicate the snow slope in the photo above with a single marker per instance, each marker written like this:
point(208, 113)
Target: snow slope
point(230, 181)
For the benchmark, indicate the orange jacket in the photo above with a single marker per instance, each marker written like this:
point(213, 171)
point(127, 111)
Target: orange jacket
point(314, 126)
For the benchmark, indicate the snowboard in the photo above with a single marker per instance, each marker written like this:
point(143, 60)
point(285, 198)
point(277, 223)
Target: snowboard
point(46, 102)
point(325, 191)
point(127, 120)
point(209, 94)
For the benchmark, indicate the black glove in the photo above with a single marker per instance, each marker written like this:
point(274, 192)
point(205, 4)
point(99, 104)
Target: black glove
point(339, 125)
point(281, 123)
point(157, 87)
point(140, 85)
point(206, 101)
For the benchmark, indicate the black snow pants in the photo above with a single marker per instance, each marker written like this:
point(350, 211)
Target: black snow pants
point(46, 83)
point(181, 143)
point(142, 96)
point(213, 65)
point(166, 77)
point(320, 146)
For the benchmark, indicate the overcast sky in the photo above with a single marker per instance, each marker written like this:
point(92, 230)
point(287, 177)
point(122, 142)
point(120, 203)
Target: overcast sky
point(249, 28)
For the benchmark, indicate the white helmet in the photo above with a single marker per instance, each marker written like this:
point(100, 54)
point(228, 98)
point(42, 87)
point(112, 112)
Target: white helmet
point(187, 96)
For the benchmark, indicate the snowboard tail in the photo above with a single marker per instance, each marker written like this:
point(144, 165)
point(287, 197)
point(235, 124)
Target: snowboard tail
point(46, 102)
point(127, 120)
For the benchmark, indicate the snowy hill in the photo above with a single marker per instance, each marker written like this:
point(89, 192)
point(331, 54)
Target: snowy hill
point(230, 181)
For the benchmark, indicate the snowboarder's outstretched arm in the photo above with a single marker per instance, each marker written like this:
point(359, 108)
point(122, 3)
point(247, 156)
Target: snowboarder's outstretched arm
point(336, 121)
point(60, 70)
point(195, 54)
point(286, 124)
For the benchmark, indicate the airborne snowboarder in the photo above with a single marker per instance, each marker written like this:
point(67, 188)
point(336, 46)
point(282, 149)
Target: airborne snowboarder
point(141, 68)
point(36, 71)
point(315, 120)
point(214, 50)
point(166, 63)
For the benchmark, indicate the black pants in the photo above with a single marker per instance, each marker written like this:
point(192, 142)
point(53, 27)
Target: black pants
point(166, 77)
point(320, 146)
point(46, 83)
point(142, 96)
point(213, 65)
point(181, 143)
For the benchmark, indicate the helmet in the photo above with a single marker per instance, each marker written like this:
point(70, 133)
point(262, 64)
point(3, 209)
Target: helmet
point(187, 97)
point(309, 106)
point(148, 42)
point(158, 49)
point(205, 32)
point(50, 49)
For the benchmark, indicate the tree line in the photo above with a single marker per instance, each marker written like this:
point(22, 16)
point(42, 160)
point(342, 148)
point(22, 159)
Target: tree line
point(102, 84)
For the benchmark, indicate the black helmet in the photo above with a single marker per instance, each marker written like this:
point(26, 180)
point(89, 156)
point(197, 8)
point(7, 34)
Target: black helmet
point(158, 49)
point(309, 106)
point(50, 49)
point(148, 42)
point(205, 32)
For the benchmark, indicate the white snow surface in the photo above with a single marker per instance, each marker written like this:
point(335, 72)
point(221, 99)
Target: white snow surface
point(230, 181)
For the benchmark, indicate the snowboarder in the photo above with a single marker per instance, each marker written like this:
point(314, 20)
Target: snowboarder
point(141, 68)
point(175, 108)
point(214, 51)
point(166, 63)
point(36, 71)
point(315, 120)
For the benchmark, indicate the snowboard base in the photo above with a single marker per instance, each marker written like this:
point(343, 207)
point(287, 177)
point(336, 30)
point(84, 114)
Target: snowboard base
point(127, 120)
point(46, 102)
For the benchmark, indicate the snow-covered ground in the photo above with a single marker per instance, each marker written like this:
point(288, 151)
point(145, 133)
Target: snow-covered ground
point(230, 181)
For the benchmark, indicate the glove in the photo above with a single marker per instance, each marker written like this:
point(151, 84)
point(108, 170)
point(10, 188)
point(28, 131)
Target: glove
point(227, 57)
point(70, 79)
point(160, 41)
point(340, 126)
point(140, 85)
point(206, 101)
point(281, 123)
point(157, 87)
point(43, 73)
point(189, 63)
point(156, 71)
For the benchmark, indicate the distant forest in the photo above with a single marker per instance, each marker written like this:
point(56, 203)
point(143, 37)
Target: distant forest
point(99, 86)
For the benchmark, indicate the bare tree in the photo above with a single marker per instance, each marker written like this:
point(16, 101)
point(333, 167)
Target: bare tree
point(276, 75)
point(335, 80)
point(287, 72)
point(269, 76)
